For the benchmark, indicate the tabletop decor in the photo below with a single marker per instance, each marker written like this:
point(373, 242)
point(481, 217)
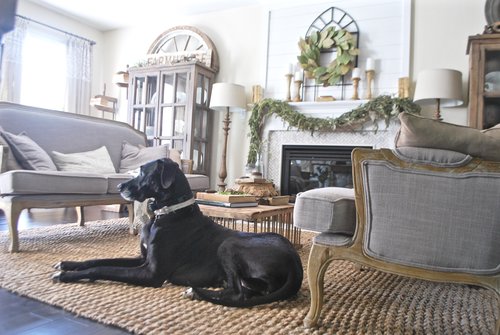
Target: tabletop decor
point(383, 107)
point(330, 38)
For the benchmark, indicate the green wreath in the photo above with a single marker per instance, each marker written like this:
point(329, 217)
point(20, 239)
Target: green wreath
point(310, 50)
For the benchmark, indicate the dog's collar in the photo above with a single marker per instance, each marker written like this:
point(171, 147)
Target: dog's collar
point(173, 208)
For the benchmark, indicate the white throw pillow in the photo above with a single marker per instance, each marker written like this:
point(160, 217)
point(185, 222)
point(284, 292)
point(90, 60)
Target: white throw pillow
point(95, 161)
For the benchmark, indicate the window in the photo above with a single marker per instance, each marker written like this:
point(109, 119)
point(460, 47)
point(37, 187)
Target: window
point(43, 74)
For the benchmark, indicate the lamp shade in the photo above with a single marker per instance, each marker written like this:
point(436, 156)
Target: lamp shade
point(443, 84)
point(225, 95)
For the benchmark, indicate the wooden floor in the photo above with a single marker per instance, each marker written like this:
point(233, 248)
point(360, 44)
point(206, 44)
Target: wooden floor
point(24, 316)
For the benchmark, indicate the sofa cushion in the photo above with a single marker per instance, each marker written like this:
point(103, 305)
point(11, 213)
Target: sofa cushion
point(134, 156)
point(28, 154)
point(326, 210)
point(116, 179)
point(51, 182)
point(417, 131)
point(94, 161)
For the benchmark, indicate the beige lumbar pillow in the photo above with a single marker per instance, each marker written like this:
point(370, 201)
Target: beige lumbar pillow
point(422, 132)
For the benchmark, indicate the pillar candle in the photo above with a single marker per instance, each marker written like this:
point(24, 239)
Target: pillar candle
point(356, 72)
point(370, 64)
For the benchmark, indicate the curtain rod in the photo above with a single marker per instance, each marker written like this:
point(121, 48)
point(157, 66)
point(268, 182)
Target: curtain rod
point(57, 29)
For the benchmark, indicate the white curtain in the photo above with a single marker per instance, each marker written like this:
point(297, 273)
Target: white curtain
point(79, 75)
point(11, 67)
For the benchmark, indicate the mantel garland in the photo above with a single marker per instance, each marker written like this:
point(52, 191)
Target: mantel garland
point(383, 107)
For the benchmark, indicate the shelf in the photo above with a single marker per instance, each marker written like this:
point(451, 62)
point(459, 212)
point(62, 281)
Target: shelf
point(492, 95)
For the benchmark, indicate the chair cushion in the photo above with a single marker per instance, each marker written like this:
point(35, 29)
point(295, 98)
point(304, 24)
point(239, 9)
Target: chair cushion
point(51, 182)
point(326, 210)
point(417, 131)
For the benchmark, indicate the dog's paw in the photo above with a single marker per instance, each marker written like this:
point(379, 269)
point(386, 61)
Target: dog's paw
point(58, 266)
point(56, 277)
point(189, 294)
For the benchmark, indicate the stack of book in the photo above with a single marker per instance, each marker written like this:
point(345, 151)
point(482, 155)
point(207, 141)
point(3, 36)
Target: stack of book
point(226, 200)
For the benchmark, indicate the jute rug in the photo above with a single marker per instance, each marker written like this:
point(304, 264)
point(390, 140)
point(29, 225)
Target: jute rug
point(356, 301)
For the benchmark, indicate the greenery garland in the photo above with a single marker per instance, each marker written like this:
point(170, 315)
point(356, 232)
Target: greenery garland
point(383, 107)
point(310, 50)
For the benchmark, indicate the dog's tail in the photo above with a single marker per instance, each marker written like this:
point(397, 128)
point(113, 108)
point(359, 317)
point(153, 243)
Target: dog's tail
point(229, 297)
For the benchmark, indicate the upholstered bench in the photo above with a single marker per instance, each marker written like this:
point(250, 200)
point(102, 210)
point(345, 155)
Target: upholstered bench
point(328, 210)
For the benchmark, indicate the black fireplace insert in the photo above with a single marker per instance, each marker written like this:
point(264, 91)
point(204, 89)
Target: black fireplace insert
point(305, 167)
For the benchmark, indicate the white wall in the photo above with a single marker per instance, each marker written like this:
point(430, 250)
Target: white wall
point(440, 29)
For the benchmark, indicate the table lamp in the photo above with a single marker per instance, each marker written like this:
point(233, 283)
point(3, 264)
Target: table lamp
point(229, 98)
point(440, 86)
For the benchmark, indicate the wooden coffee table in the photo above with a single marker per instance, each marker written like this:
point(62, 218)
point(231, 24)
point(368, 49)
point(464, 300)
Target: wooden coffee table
point(276, 219)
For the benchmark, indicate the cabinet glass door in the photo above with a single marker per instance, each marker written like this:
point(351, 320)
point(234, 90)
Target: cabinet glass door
point(144, 98)
point(200, 124)
point(491, 114)
point(173, 114)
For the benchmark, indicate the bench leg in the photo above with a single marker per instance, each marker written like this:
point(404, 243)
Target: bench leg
point(316, 267)
point(12, 213)
point(80, 215)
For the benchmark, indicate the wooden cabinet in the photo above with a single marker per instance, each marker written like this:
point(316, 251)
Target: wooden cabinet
point(484, 80)
point(170, 104)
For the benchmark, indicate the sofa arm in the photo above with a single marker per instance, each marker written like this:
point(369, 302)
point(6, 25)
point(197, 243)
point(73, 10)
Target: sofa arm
point(4, 153)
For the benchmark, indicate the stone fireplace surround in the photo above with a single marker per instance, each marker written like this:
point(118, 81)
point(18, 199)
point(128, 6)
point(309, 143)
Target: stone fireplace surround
point(276, 134)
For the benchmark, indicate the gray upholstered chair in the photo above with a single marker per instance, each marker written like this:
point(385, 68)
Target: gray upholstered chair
point(425, 213)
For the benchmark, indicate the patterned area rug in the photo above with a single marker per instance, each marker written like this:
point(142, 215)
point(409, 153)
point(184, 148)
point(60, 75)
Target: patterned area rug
point(356, 301)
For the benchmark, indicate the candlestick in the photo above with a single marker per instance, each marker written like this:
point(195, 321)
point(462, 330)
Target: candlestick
point(289, 77)
point(370, 64)
point(298, 83)
point(356, 73)
point(355, 85)
point(369, 79)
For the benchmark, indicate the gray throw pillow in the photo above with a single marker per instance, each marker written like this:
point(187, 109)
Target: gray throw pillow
point(27, 153)
point(94, 161)
point(12, 163)
point(135, 156)
point(422, 132)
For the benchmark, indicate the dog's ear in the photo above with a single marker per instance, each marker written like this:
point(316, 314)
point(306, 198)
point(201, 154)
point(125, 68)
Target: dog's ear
point(168, 171)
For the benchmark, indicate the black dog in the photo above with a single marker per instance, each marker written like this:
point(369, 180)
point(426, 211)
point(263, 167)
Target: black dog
point(182, 246)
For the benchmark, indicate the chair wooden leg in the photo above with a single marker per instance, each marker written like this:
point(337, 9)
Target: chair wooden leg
point(317, 265)
point(12, 213)
point(80, 215)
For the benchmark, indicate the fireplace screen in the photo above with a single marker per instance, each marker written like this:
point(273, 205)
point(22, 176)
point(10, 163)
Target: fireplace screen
point(305, 167)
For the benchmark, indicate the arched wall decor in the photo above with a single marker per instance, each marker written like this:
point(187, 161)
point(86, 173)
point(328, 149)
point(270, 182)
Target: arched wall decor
point(182, 44)
point(340, 19)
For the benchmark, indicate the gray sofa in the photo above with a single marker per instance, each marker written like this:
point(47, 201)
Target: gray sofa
point(64, 167)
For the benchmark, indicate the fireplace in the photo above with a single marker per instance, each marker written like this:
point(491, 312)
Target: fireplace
point(305, 167)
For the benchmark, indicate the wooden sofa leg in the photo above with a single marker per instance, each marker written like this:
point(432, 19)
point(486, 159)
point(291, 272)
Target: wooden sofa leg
point(12, 213)
point(80, 215)
point(131, 215)
point(316, 267)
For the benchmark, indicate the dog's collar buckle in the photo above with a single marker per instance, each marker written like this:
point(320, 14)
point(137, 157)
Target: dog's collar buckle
point(173, 208)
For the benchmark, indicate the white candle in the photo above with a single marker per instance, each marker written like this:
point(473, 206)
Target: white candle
point(298, 76)
point(290, 68)
point(356, 72)
point(370, 64)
